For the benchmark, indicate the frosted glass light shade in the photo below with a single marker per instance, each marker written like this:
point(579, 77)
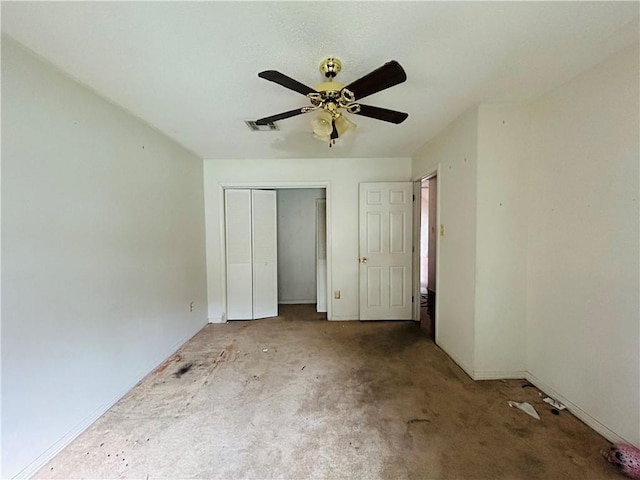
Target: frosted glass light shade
point(325, 139)
point(321, 125)
point(343, 125)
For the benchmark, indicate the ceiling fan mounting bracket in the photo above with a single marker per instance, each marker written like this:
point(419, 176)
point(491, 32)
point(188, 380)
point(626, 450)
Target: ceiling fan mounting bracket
point(330, 67)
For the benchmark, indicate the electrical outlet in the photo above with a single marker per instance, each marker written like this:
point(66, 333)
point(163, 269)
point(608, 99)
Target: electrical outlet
point(442, 230)
point(336, 294)
point(191, 307)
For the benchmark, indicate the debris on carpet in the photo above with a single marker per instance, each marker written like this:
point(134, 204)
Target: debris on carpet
point(554, 403)
point(526, 407)
point(626, 459)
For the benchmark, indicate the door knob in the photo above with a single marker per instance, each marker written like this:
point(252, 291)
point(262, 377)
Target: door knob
point(363, 260)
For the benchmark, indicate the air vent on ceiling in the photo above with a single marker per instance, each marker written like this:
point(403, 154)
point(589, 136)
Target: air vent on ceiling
point(254, 127)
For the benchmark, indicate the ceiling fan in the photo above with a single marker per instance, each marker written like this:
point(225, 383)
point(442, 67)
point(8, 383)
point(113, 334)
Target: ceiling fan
point(331, 97)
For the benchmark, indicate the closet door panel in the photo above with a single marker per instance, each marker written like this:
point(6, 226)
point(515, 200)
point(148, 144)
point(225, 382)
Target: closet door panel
point(239, 258)
point(265, 254)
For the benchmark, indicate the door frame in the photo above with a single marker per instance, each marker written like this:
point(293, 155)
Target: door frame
point(417, 225)
point(270, 186)
point(434, 172)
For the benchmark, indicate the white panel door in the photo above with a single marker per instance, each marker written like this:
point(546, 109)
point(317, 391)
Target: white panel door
point(265, 254)
point(239, 258)
point(386, 239)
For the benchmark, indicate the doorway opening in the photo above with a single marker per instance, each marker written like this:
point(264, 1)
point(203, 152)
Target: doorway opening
point(284, 233)
point(427, 254)
point(302, 258)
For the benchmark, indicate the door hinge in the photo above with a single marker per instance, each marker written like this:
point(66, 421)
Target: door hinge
point(413, 249)
point(414, 197)
point(412, 298)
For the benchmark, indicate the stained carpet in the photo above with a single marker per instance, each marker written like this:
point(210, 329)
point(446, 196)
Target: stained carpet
point(297, 397)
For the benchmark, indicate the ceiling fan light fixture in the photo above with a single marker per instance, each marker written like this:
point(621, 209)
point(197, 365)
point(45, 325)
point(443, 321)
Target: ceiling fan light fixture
point(330, 97)
point(322, 125)
point(344, 125)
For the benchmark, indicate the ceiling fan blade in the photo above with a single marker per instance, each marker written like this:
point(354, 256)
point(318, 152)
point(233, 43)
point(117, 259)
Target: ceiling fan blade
point(388, 75)
point(383, 114)
point(287, 82)
point(280, 116)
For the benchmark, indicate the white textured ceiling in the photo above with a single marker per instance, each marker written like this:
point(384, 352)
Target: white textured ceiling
point(190, 68)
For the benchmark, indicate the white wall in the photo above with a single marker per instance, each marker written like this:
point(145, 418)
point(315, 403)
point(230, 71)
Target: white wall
point(103, 249)
point(582, 263)
point(342, 176)
point(500, 243)
point(297, 244)
point(481, 259)
point(454, 153)
point(556, 223)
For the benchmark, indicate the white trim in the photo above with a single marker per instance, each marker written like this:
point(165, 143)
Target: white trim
point(344, 318)
point(434, 172)
point(223, 250)
point(297, 302)
point(274, 185)
point(417, 253)
point(499, 374)
point(577, 411)
point(40, 461)
point(438, 243)
point(329, 226)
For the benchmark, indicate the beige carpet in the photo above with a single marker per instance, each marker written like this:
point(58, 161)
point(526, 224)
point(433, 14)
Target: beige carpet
point(297, 397)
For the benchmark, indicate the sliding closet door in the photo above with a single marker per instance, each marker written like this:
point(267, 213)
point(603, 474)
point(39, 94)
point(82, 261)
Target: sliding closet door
point(265, 251)
point(239, 258)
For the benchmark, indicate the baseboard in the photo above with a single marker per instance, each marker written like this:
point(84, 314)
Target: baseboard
point(576, 411)
point(218, 318)
point(461, 364)
point(343, 318)
point(540, 385)
point(297, 302)
point(40, 461)
point(70, 436)
point(498, 374)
